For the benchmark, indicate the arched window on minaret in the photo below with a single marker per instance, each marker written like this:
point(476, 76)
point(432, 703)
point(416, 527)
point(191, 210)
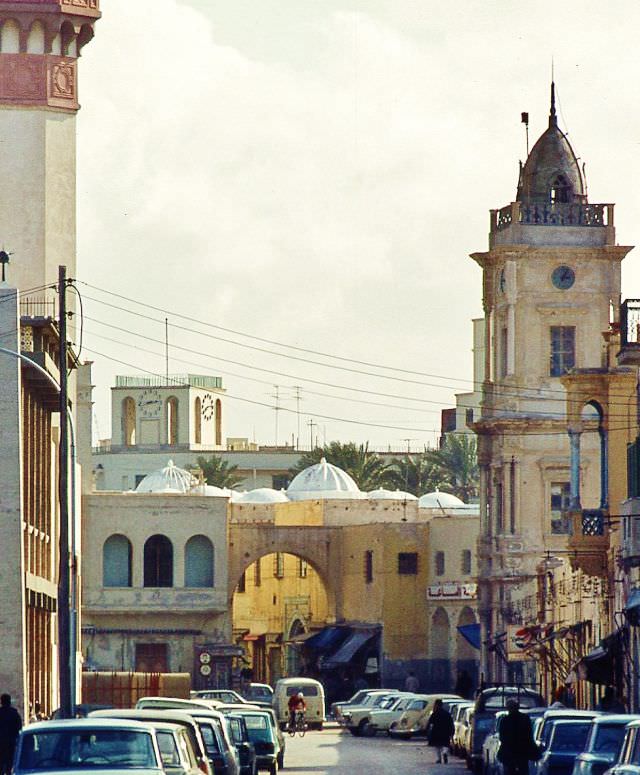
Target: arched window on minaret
point(10, 37)
point(560, 192)
point(129, 422)
point(172, 420)
point(197, 419)
point(218, 423)
point(35, 41)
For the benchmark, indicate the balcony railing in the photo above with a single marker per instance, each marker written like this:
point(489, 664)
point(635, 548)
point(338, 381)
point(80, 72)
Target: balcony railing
point(589, 542)
point(552, 214)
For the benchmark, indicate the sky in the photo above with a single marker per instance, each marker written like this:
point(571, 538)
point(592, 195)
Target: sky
point(315, 173)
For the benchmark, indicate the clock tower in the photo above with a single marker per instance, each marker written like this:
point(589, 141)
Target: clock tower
point(550, 279)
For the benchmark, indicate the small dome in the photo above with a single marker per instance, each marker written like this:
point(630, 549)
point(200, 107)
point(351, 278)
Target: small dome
point(440, 500)
point(551, 173)
point(390, 495)
point(168, 480)
point(323, 481)
point(261, 495)
point(211, 491)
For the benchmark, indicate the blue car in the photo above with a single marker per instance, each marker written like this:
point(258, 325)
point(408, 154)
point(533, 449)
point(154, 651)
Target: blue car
point(567, 740)
point(603, 745)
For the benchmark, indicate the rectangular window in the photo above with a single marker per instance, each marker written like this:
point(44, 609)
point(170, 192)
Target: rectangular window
point(466, 562)
point(152, 658)
point(242, 584)
point(407, 563)
point(280, 481)
point(368, 566)
point(303, 568)
point(257, 573)
point(559, 505)
point(563, 350)
point(468, 416)
point(439, 563)
point(504, 351)
point(139, 478)
point(499, 508)
point(278, 565)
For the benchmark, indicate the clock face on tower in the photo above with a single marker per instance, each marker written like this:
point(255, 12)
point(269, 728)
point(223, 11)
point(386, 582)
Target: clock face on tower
point(150, 404)
point(208, 406)
point(563, 277)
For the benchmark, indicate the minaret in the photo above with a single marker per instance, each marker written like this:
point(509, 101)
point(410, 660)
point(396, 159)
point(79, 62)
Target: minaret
point(550, 277)
point(40, 43)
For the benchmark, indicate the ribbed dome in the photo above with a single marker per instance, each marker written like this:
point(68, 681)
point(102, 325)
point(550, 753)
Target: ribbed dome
point(323, 480)
point(261, 495)
point(440, 500)
point(551, 173)
point(390, 495)
point(168, 480)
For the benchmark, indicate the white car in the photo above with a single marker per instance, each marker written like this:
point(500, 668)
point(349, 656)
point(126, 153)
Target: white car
point(355, 718)
point(382, 719)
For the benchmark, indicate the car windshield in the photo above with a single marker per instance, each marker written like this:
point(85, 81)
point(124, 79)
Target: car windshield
point(400, 704)
point(484, 723)
point(259, 729)
point(307, 691)
point(499, 700)
point(358, 697)
point(209, 737)
point(570, 738)
point(388, 702)
point(87, 748)
point(168, 748)
point(258, 692)
point(608, 738)
point(417, 705)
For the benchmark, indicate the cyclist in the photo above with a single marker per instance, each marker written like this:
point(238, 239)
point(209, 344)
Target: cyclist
point(296, 705)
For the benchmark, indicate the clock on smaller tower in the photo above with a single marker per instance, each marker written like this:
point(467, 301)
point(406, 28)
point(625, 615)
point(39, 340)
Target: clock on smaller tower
point(208, 406)
point(150, 404)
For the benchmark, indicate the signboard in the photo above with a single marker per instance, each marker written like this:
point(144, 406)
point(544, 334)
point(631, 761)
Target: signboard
point(452, 591)
point(519, 640)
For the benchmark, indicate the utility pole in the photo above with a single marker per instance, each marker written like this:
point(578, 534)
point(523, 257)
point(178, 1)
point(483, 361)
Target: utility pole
point(64, 651)
point(311, 425)
point(297, 388)
point(166, 349)
point(276, 395)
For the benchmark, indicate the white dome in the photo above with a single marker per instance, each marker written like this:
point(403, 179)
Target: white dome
point(168, 480)
point(440, 500)
point(390, 495)
point(262, 495)
point(211, 491)
point(322, 481)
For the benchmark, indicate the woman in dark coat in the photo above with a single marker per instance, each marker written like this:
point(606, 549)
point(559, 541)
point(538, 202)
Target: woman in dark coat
point(440, 731)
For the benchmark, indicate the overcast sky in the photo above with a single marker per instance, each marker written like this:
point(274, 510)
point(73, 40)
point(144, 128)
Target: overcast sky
point(316, 173)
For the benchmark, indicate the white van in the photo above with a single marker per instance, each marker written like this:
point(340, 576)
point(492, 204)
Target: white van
point(313, 697)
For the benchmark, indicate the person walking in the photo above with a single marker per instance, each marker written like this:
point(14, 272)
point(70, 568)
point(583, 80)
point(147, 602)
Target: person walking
point(411, 683)
point(440, 730)
point(10, 726)
point(517, 746)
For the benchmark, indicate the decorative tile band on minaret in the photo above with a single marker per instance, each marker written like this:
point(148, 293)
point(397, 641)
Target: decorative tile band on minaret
point(40, 42)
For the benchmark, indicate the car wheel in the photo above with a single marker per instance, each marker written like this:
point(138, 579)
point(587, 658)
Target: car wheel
point(355, 731)
point(368, 730)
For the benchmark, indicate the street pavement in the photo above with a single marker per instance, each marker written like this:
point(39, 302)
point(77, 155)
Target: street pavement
point(336, 752)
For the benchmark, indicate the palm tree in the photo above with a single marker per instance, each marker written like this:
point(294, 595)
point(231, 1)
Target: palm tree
point(457, 464)
point(218, 473)
point(416, 474)
point(367, 468)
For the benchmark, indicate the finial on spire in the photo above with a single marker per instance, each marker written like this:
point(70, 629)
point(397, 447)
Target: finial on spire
point(552, 113)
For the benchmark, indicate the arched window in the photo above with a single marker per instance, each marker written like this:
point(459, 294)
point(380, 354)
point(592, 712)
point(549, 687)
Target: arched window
point(129, 422)
point(198, 562)
point(116, 561)
point(158, 562)
point(440, 632)
point(560, 190)
point(218, 423)
point(197, 419)
point(172, 420)
point(10, 37)
point(35, 41)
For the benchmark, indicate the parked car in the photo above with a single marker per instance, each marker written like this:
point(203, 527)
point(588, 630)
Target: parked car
point(458, 722)
point(221, 750)
point(313, 696)
point(356, 718)
point(244, 747)
point(604, 744)
point(171, 715)
point(261, 694)
point(414, 719)
point(282, 740)
point(384, 719)
point(220, 695)
point(628, 761)
point(176, 749)
point(356, 699)
point(491, 764)
point(158, 703)
point(549, 718)
point(88, 746)
point(489, 702)
point(363, 698)
point(263, 736)
point(568, 739)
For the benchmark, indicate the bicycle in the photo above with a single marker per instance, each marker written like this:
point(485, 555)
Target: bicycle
point(298, 725)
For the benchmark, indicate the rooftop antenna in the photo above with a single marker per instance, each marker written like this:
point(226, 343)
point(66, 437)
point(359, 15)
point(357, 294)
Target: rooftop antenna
point(166, 349)
point(4, 260)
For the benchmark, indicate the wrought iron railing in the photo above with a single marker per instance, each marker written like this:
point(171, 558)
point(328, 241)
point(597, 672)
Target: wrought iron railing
point(193, 380)
point(593, 522)
point(552, 214)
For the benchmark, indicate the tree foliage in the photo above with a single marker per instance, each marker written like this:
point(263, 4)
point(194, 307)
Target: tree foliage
point(218, 473)
point(457, 465)
point(416, 474)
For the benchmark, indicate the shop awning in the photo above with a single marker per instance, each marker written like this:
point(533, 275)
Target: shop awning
point(471, 633)
point(632, 608)
point(326, 639)
point(348, 650)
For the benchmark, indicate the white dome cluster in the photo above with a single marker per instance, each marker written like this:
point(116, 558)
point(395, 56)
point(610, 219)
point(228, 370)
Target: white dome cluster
point(169, 479)
point(323, 481)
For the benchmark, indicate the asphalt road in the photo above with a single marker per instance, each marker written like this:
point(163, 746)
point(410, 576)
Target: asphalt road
point(335, 752)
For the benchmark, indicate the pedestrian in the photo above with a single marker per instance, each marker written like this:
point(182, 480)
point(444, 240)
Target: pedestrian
point(10, 726)
point(464, 684)
point(517, 746)
point(440, 731)
point(609, 702)
point(411, 683)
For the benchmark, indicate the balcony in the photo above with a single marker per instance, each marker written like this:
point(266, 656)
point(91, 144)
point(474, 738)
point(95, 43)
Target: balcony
point(629, 354)
point(631, 532)
point(589, 543)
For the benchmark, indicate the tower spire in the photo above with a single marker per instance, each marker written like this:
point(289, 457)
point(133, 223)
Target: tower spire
point(553, 121)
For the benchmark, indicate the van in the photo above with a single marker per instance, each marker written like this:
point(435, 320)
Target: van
point(313, 692)
point(414, 719)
